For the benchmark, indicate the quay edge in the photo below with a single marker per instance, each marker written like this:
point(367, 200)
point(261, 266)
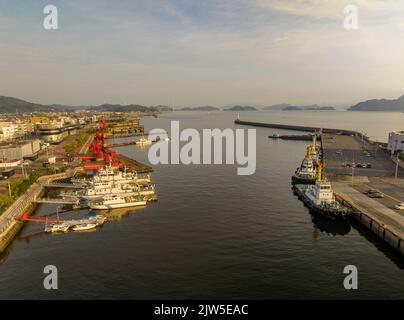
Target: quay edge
point(389, 232)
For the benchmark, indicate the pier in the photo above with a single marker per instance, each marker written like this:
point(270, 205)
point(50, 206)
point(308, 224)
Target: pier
point(295, 128)
point(56, 201)
point(64, 185)
point(9, 223)
point(342, 151)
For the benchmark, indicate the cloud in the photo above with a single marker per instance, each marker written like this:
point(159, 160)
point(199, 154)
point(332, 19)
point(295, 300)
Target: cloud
point(205, 52)
point(329, 8)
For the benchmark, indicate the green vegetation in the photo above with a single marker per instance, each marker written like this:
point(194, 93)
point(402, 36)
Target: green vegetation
point(17, 188)
point(78, 143)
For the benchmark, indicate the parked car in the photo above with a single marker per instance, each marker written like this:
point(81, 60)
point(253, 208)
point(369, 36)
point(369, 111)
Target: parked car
point(369, 165)
point(376, 194)
point(399, 206)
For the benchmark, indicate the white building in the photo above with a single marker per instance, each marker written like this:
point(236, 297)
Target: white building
point(396, 141)
point(9, 131)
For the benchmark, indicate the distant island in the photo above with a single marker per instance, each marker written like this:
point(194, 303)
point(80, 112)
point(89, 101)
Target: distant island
point(280, 106)
point(241, 108)
point(289, 107)
point(13, 105)
point(379, 105)
point(202, 108)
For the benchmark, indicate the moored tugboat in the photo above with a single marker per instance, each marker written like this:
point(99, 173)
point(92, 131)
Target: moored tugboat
point(320, 199)
point(307, 172)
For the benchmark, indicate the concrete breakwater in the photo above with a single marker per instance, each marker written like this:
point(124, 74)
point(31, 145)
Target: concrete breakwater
point(295, 128)
point(9, 225)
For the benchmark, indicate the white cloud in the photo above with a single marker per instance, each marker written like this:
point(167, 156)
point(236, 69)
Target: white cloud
point(329, 8)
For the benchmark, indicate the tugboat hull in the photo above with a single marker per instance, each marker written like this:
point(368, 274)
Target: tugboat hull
point(341, 213)
point(301, 180)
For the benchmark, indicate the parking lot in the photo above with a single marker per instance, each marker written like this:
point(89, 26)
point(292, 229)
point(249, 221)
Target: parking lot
point(339, 154)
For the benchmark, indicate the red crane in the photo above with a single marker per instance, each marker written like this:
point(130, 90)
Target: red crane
point(100, 150)
point(26, 217)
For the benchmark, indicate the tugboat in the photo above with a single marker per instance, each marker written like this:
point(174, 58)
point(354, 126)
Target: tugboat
point(320, 199)
point(306, 173)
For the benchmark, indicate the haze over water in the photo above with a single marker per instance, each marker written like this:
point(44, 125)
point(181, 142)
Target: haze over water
point(214, 234)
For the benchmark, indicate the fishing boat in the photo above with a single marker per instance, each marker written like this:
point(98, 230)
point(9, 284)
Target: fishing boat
point(307, 171)
point(143, 142)
point(57, 227)
point(114, 201)
point(84, 227)
point(320, 198)
point(96, 218)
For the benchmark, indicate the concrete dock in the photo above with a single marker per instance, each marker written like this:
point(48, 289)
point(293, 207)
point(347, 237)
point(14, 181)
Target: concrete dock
point(342, 148)
point(350, 184)
point(9, 225)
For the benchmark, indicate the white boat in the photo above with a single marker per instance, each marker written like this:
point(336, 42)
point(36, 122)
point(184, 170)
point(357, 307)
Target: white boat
point(143, 142)
point(113, 202)
point(84, 226)
point(98, 219)
point(101, 189)
point(117, 177)
point(57, 227)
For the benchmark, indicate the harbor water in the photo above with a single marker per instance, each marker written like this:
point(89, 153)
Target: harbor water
point(214, 234)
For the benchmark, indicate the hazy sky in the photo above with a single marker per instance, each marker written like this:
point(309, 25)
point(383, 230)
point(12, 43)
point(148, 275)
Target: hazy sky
point(202, 52)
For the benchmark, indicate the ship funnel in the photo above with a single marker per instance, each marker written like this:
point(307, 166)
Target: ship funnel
point(308, 149)
point(320, 171)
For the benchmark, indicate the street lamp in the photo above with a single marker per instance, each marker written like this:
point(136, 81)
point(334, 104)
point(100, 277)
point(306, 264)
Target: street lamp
point(397, 155)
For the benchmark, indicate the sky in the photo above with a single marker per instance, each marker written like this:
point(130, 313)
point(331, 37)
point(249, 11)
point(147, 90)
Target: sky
point(193, 52)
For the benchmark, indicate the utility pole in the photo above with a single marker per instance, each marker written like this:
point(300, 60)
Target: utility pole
point(396, 175)
point(353, 167)
point(9, 189)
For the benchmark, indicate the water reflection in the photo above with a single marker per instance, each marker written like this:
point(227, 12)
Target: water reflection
point(381, 246)
point(331, 227)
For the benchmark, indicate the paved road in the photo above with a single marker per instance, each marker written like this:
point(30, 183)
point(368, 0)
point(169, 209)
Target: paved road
point(378, 209)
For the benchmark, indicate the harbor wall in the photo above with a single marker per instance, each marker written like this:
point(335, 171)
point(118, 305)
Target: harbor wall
point(387, 234)
point(9, 225)
point(295, 128)
point(310, 129)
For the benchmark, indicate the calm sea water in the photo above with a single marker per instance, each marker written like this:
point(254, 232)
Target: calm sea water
point(214, 234)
